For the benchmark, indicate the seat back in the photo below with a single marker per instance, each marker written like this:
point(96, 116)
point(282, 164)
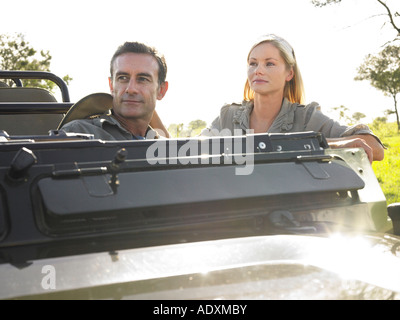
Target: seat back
point(27, 124)
point(22, 94)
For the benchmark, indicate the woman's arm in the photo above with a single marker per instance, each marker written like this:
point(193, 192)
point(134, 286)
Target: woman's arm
point(369, 143)
point(341, 136)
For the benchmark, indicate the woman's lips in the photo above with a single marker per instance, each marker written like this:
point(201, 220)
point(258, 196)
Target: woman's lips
point(260, 81)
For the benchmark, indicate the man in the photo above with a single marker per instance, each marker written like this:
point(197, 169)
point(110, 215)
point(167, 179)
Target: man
point(137, 81)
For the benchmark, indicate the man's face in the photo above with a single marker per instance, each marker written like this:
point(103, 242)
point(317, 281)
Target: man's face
point(134, 86)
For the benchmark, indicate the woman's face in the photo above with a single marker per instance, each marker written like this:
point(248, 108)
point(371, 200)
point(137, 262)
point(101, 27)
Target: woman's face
point(267, 72)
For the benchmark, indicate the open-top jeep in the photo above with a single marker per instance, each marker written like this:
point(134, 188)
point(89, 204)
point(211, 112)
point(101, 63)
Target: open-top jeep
point(272, 216)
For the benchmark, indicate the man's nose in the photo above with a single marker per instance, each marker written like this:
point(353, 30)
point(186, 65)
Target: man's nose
point(131, 88)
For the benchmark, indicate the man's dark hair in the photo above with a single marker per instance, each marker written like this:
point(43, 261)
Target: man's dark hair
point(137, 47)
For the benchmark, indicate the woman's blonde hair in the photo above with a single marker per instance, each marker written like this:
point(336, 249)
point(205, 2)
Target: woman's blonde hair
point(294, 89)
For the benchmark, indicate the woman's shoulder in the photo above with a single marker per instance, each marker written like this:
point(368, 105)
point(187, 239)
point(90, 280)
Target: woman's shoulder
point(229, 107)
point(308, 106)
point(235, 111)
point(299, 107)
point(308, 110)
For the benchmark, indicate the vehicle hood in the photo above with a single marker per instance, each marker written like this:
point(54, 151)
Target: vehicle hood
point(265, 267)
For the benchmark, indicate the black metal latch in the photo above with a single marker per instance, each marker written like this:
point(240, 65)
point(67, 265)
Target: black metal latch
point(22, 162)
point(93, 177)
point(114, 168)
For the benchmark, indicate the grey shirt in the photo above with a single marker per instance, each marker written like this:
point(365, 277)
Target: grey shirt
point(105, 127)
point(293, 117)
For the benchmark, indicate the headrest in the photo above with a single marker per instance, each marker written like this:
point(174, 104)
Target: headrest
point(25, 94)
point(89, 106)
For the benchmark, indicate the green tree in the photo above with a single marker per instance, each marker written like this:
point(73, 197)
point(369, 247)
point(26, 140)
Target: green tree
point(383, 72)
point(17, 54)
point(342, 113)
point(191, 130)
point(357, 116)
point(195, 127)
point(175, 130)
point(378, 122)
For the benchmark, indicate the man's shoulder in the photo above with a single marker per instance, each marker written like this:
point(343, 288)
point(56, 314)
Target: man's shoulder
point(79, 124)
point(96, 121)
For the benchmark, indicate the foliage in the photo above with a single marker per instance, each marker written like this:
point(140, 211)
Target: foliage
point(195, 127)
point(393, 17)
point(357, 116)
point(342, 115)
point(192, 129)
point(388, 170)
point(175, 129)
point(317, 3)
point(383, 72)
point(17, 54)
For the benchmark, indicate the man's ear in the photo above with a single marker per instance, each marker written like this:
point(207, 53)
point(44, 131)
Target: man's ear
point(110, 83)
point(162, 90)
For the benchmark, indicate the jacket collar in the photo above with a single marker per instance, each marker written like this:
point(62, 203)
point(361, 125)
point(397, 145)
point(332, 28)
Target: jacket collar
point(282, 123)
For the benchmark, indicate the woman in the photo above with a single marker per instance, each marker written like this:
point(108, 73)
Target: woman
point(273, 102)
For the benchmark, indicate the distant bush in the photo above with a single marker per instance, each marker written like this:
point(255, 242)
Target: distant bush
point(388, 170)
point(383, 129)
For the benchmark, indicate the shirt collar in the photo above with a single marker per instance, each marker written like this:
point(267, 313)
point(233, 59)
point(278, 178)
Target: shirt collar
point(108, 118)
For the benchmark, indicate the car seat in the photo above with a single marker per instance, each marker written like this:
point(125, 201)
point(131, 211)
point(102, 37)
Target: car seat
point(27, 124)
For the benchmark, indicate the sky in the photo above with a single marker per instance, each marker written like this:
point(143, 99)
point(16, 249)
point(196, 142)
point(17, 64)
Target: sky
point(206, 44)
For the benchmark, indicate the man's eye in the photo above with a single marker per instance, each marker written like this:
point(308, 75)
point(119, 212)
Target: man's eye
point(144, 79)
point(122, 78)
